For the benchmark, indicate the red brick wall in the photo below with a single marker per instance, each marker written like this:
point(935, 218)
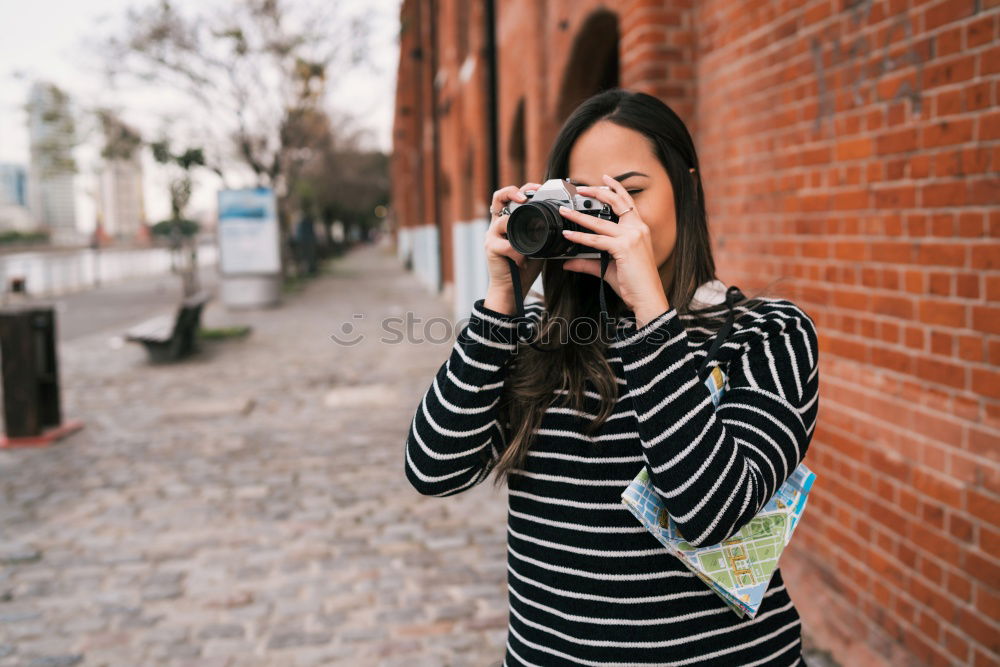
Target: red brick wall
point(850, 149)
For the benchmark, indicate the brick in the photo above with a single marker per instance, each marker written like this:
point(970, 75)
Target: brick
point(959, 586)
point(986, 382)
point(942, 254)
point(938, 487)
point(943, 194)
point(988, 602)
point(986, 318)
point(977, 96)
point(970, 348)
point(981, 629)
point(989, 539)
point(947, 11)
point(941, 372)
point(982, 567)
point(952, 71)
point(967, 285)
point(980, 31)
point(985, 257)
point(989, 126)
point(956, 645)
point(942, 313)
point(983, 506)
point(960, 528)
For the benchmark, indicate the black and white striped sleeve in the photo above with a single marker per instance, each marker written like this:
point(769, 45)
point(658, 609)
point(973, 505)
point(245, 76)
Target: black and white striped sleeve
point(454, 438)
point(715, 468)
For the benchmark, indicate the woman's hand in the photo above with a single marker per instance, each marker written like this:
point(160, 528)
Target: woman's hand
point(500, 293)
point(632, 271)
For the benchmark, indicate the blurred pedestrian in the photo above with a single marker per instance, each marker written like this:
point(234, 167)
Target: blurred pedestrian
point(305, 239)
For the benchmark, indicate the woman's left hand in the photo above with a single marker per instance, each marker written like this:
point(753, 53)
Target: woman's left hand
point(632, 271)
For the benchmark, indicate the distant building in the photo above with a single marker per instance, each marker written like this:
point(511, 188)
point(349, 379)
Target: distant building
point(13, 184)
point(51, 177)
point(14, 214)
point(121, 204)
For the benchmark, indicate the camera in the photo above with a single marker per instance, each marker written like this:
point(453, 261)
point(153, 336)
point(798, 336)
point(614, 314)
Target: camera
point(535, 227)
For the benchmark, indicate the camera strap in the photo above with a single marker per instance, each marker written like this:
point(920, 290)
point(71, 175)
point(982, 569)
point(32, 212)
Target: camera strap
point(523, 324)
point(605, 258)
point(733, 294)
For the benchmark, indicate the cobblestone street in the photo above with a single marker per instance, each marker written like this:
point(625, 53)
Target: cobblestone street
point(248, 506)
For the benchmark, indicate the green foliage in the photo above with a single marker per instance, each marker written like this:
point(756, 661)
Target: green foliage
point(120, 140)
point(53, 149)
point(180, 184)
point(165, 228)
point(161, 151)
point(12, 236)
point(222, 333)
point(192, 157)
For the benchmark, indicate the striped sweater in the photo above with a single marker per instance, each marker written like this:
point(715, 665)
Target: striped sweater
point(587, 584)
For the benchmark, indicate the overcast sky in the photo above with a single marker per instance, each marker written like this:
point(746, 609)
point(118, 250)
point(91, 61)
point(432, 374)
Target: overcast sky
point(48, 39)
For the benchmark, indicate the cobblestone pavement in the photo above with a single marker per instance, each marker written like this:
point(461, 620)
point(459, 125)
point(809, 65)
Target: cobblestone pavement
point(248, 506)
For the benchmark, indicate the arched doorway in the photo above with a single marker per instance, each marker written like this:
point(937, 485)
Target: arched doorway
point(593, 63)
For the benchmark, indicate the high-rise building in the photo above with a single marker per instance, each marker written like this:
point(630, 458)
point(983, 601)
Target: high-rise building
point(51, 178)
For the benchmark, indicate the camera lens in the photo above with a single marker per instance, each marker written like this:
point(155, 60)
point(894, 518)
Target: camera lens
point(535, 230)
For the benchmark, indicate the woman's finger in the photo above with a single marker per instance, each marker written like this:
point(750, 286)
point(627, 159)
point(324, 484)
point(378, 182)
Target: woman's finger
point(620, 190)
point(504, 195)
point(605, 227)
point(582, 265)
point(502, 247)
point(597, 241)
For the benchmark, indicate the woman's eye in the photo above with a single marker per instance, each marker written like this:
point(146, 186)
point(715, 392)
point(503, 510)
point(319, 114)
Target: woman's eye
point(634, 192)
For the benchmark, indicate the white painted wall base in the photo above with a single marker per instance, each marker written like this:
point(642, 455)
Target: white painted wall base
point(421, 244)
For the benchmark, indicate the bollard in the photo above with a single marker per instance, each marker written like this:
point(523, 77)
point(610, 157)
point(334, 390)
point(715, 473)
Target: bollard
point(31, 406)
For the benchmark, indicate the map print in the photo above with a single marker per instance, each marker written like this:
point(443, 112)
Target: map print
point(740, 568)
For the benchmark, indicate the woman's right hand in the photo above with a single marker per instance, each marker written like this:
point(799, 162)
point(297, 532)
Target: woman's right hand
point(500, 293)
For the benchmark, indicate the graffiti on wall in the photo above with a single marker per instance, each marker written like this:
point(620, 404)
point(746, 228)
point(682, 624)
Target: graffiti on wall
point(866, 63)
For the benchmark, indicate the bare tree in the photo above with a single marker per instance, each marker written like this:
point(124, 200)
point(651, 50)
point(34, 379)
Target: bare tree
point(181, 232)
point(258, 71)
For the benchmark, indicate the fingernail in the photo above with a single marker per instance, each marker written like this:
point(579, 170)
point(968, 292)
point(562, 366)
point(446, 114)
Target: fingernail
point(567, 232)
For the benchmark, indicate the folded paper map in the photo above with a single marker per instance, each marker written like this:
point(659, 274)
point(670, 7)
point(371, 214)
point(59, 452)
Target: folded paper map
point(740, 568)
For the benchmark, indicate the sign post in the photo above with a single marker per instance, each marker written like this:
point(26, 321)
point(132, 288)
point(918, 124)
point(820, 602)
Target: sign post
point(249, 252)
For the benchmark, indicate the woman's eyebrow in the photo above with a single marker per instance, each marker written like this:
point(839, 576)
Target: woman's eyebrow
point(619, 178)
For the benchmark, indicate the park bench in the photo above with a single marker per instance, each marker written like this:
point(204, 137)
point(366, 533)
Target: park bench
point(168, 338)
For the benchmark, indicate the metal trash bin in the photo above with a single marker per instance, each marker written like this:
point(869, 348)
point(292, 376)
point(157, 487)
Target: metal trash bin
point(29, 365)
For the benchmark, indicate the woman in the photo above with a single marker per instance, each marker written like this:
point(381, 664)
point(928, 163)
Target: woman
point(568, 423)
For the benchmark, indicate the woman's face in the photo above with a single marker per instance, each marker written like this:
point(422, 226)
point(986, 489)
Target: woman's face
point(628, 157)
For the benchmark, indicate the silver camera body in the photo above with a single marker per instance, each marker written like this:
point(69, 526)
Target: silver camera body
point(534, 228)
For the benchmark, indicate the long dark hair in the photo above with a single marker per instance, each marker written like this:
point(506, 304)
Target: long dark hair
point(535, 376)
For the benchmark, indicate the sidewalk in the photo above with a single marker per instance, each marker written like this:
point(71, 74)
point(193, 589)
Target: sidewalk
point(248, 506)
